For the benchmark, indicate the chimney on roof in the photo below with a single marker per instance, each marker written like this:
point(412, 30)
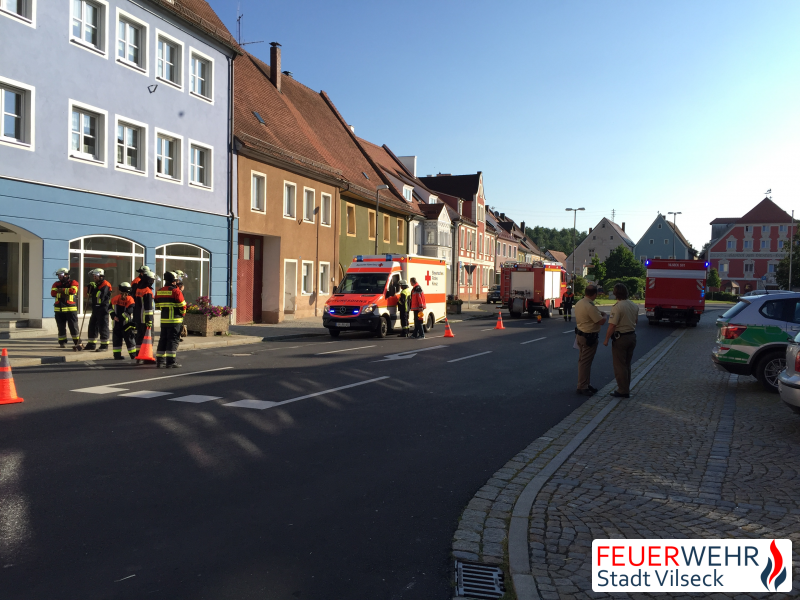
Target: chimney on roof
point(590, 230)
point(275, 64)
point(410, 163)
point(522, 226)
point(623, 226)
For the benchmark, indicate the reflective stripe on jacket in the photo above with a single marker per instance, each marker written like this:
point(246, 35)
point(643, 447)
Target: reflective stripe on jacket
point(568, 299)
point(404, 301)
point(169, 300)
point(122, 307)
point(65, 295)
point(144, 304)
point(417, 298)
point(100, 294)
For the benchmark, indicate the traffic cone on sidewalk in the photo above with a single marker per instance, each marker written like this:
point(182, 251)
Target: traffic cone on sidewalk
point(447, 331)
point(499, 321)
point(146, 349)
point(8, 391)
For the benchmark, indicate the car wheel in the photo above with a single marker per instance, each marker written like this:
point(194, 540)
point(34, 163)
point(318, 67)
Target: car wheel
point(334, 332)
point(768, 369)
point(430, 323)
point(383, 328)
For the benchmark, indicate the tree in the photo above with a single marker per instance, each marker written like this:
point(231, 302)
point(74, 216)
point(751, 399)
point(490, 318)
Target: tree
point(555, 239)
point(782, 274)
point(579, 285)
point(597, 270)
point(622, 263)
point(713, 281)
point(635, 285)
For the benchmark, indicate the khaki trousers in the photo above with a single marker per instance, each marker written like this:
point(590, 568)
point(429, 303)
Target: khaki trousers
point(585, 358)
point(622, 356)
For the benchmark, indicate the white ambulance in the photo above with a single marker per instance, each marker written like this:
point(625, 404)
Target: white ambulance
point(366, 299)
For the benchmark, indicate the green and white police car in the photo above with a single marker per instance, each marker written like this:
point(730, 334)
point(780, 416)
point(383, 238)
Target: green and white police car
point(753, 335)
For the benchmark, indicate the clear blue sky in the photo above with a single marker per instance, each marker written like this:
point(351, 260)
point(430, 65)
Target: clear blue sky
point(633, 106)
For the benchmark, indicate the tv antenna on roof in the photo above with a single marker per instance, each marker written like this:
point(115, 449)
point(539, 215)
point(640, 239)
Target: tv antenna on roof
point(239, 30)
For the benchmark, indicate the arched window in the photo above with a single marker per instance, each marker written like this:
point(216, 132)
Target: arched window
point(117, 256)
point(192, 260)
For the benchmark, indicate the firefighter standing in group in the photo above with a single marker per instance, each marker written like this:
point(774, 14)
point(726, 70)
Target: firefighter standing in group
point(99, 292)
point(121, 311)
point(143, 303)
point(65, 291)
point(622, 329)
point(418, 307)
point(588, 322)
point(404, 306)
point(567, 300)
point(169, 300)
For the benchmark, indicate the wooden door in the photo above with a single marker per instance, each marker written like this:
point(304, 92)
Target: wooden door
point(249, 278)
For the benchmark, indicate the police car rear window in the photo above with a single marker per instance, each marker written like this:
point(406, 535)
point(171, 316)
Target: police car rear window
point(732, 312)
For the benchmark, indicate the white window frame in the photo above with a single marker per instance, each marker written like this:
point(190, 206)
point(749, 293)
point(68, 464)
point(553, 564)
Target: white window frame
point(158, 132)
point(209, 79)
point(408, 193)
point(208, 187)
point(765, 229)
point(143, 142)
point(323, 199)
point(764, 244)
point(179, 63)
point(728, 245)
point(253, 176)
point(303, 292)
point(309, 218)
point(102, 134)
point(29, 18)
point(747, 244)
point(287, 184)
point(102, 26)
point(324, 283)
point(387, 231)
point(748, 267)
point(433, 199)
point(781, 228)
point(28, 115)
point(142, 67)
point(724, 267)
point(781, 244)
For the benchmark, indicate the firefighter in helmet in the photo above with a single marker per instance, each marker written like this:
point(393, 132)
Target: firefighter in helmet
point(121, 311)
point(567, 300)
point(65, 292)
point(169, 300)
point(99, 292)
point(143, 303)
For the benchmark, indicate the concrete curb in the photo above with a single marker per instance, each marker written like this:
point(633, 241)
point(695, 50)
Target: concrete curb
point(234, 340)
point(518, 550)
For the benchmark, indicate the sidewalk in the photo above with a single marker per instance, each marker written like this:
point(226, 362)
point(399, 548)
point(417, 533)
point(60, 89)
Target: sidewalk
point(694, 453)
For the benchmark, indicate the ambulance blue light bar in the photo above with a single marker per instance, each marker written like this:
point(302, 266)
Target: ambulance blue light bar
point(359, 258)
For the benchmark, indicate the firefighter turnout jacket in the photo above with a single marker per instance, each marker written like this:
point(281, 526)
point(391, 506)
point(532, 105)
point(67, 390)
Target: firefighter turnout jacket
point(144, 302)
point(100, 294)
point(66, 294)
point(169, 300)
point(122, 308)
point(417, 298)
point(404, 301)
point(568, 299)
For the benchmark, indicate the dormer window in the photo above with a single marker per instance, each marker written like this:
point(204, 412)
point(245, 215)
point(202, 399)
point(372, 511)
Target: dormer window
point(408, 193)
point(433, 199)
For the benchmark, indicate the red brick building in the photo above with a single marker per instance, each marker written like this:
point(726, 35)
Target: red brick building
point(746, 250)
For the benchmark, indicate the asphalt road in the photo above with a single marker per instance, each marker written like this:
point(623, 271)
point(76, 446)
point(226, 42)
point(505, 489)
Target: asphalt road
point(352, 493)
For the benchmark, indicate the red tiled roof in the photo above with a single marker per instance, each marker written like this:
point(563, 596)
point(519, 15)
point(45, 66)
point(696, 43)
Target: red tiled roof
point(766, 211)
point(301, 126)
point(201, 15)
point(559, 256)
point(722, 221)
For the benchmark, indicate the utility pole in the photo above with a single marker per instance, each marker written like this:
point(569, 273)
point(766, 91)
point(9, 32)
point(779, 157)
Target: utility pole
point(613, 214)
point(791, 250)
point(674, 230)
point(574, 223)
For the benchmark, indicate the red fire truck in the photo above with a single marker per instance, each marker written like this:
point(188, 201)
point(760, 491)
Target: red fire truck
point(676, 291)
point(536, 287)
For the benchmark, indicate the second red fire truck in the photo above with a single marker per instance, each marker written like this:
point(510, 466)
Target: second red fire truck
point(531, 288)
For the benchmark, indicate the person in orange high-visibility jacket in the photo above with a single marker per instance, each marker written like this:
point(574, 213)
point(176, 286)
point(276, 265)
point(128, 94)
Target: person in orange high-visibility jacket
point(170, 301)
point(65, 291)
point(418, 307)
point(121, 311)
point(567, 300)
point(143, 296)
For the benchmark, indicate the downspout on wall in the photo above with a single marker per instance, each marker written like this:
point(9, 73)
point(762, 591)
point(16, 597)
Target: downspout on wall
point(231, 215)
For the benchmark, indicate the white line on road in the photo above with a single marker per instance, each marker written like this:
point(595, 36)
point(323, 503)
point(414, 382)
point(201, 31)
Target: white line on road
point(99, 389)
point(470, 356)
point(531, 341)
point(490, 329)
point(247, 404)
point(570, 331)
point(345, 350)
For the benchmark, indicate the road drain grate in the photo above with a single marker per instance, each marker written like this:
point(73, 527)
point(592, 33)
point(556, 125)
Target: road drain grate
point(475, 580)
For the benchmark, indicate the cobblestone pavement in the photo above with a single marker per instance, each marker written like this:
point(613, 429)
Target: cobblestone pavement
point(694, 453)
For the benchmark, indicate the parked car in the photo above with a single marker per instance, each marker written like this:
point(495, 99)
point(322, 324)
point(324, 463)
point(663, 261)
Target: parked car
point(752, 337)
point(494, 295)
point(789, 378)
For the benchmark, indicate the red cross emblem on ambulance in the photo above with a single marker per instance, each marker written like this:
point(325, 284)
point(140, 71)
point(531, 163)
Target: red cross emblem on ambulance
point(428, 278)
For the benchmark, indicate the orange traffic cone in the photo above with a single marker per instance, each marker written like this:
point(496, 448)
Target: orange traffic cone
point(447, 331)
point(499, 321)
point(538, 317)
point(8, 391)
point(146, 349)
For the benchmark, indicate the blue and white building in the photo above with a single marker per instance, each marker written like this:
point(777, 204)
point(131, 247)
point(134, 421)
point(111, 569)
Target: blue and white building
point(663, 240)
point(114, 146)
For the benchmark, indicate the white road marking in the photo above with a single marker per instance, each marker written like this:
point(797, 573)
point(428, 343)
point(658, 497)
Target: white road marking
point(257, 404)
point(242, 355)
point(490, 329)
point(470, 356)
point(145, 394)
point(194, 399)
point(345, 350)
point(407, 354)
point(531, 341)
point(570, 331)
point(108, 389)
point(344, 387)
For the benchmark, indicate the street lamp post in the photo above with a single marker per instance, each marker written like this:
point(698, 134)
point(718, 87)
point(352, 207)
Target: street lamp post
point(674, 230)
point(574, 223)
point(378, 211)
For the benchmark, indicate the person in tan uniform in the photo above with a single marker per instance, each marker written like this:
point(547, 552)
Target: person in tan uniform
point(588, 321)
point(622, 329)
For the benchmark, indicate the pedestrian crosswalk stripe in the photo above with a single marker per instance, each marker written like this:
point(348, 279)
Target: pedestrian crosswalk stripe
point(101, 389)
point(257, 404)
point(145, 394)
point(194, 399)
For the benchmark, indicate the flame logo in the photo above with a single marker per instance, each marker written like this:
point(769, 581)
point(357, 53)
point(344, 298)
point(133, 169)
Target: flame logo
point(775, 572)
